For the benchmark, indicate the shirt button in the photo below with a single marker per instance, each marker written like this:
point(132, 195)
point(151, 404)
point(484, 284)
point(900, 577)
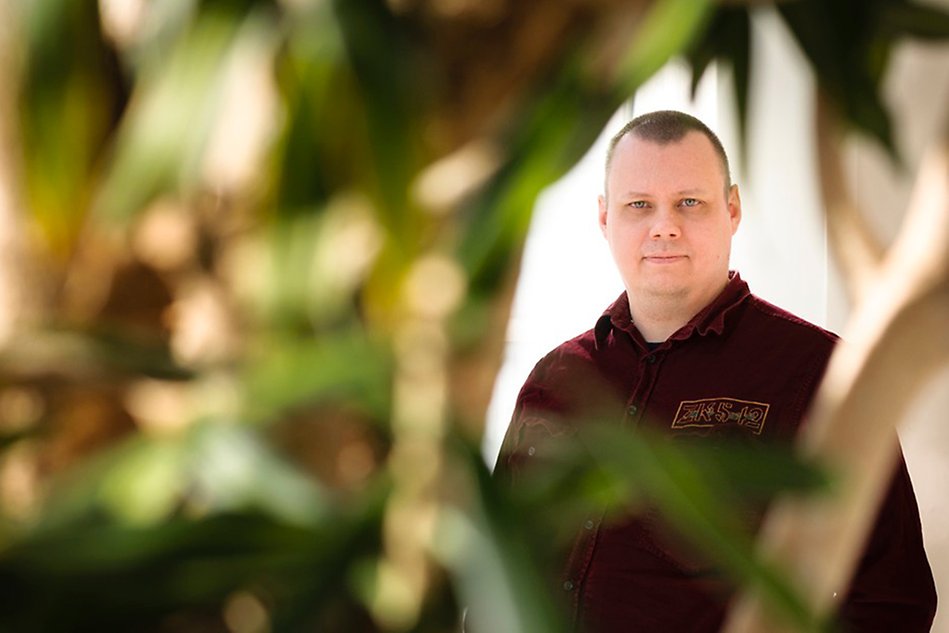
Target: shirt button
point(531, 450)
point(568, 586)
point(651, 359)
point(588, 524)
point(632, 410)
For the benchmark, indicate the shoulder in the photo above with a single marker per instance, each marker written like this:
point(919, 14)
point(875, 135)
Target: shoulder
point(777, 322)
point(567, 356)
point(556, 379)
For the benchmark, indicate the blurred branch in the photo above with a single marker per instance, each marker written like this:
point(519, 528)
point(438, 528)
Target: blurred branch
point(888, 342)
point(856, 249)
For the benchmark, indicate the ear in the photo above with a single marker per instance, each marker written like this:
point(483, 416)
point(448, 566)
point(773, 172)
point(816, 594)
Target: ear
point(734, 207)
point(602, 214)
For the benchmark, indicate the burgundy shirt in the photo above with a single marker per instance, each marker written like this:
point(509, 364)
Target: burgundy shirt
point(742, 368)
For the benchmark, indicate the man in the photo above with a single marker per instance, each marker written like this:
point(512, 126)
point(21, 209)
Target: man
point(688, 351)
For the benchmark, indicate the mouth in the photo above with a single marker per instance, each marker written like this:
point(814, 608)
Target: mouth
point(664, 259)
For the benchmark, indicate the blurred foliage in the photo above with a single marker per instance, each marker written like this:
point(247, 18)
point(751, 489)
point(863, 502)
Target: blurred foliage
point(272, 248)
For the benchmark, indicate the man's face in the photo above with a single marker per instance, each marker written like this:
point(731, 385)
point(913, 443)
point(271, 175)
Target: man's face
point(668, 219)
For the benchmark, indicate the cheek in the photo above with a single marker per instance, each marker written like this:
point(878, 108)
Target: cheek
point(720, 248)
point(625, 230)
point(622, 242)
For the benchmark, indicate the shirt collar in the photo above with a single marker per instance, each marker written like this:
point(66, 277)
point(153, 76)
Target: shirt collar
point(710, 319)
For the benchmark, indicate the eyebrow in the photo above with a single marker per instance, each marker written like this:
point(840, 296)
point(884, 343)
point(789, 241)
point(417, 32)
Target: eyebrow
point(681, 192)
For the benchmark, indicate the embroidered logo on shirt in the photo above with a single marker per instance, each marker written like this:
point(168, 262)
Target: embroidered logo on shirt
point(712, 412)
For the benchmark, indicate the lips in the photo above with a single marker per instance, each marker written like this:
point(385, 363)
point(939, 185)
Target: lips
point(664, 258)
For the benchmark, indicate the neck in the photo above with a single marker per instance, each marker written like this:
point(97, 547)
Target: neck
point(659, 316)
point(658, 320)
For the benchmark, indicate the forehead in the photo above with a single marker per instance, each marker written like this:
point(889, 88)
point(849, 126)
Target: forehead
point(690, 162)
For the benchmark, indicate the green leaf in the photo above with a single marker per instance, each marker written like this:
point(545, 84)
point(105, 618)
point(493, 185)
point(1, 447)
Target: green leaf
point(161, 142)
point(486, 548)
point(291, 373)
point(696, 496)
point(393, 101)
point(71, 95)
point(727, 39)
point(666, 30)
point(560, 122)
point(110, 577)
point(145, 485)
point(838, 41)
point(320, 93)
point(233, 470)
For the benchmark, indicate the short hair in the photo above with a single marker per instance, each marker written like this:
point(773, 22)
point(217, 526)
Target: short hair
point(668, 126)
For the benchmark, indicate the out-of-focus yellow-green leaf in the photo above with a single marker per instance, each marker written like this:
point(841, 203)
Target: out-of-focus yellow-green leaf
point(212, 468)
point(487, 550)
point(702, 505)
point(666, 30)
point(146, 484)
point(391, 93)
point(234, 471)
point(320, 94)
point(71, 95)
point(171, 116)
point(347, 368)
point(116, 577)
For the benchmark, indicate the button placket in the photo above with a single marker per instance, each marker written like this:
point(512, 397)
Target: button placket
point(635, 409)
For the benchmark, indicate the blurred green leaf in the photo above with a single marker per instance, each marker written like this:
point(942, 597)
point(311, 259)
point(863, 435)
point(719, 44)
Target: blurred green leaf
point(839, 39)
point(295, 373)
point(161, 142)
point(72, 93)
point(320, 93)
point(146, 485)
point(487, 550)
point(116, 577)
point(393, 102)
point(711, 494)
point(727, 39)
point(213, 467)
point(234, 470)
point(558, 126)
point(665, 31)
point(700, 502)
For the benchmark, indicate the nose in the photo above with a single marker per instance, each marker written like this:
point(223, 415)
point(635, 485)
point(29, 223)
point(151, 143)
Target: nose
point(665, 224)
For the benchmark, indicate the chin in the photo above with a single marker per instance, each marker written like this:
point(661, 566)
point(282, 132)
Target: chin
point(668, 290)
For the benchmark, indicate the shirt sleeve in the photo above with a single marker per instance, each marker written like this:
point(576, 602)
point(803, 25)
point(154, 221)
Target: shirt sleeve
point(533, 425)
point(893, 587)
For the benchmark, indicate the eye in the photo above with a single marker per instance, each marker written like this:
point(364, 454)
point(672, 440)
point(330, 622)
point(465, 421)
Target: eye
point(638, 204)
point(690, 202)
